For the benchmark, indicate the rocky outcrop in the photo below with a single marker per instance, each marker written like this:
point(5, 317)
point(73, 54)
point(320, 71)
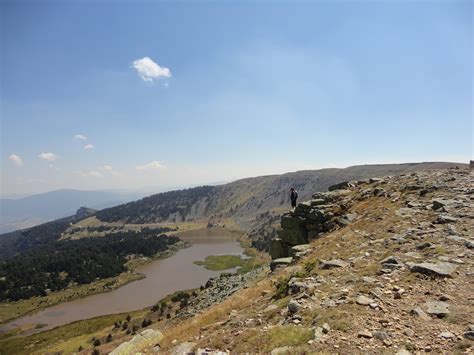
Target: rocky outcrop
point(308, 221)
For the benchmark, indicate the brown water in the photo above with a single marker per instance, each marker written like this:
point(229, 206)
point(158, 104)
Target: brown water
point(163, 277)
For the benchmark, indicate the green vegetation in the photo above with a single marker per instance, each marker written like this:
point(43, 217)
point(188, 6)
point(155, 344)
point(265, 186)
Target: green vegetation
point(57, 264)
point(279, 336)
point(221, 262)
point(69, 337)
point(157, 207)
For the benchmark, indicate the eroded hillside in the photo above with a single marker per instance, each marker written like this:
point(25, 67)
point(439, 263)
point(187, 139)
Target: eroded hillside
point(243, 200)
point(393, 274)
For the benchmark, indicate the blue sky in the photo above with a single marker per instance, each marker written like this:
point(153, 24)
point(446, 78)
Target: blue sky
point(252, 88)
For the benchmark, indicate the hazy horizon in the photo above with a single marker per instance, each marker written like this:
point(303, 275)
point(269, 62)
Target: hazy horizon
point(143, 94)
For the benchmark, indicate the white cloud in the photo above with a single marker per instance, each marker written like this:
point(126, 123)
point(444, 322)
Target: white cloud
point(154, 165)
point(89, 146)
point(15, 159)
point(80, 137)
point(148, 70)
point(90, 173)
point(48, 156)
point(95, 173)
point(109, 170)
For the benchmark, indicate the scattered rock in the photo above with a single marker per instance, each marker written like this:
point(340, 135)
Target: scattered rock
point(446, 219)
point(283, 350)
point(390, 260)
point(332, 264)
point(446, 335)
point(469, 335)
point(280, 262)
point(364, 334)
point(293, 306)
point(437, 308)
point(364, 300)
point(443, 269)
point(183, 348)
point(420, 313)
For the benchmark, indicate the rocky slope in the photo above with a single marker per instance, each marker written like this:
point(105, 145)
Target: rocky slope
point(386, 267)
point(243, 200)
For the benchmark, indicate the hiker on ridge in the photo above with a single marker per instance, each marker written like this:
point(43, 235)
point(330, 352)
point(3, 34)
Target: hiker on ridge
point(293, 197)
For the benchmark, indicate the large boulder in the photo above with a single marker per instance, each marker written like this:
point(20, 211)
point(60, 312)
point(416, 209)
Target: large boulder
point(278, 249)
point(443, 269)
point(293, 236)
point(290, 221)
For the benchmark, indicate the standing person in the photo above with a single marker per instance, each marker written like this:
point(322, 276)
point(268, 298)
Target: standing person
point(293, 197)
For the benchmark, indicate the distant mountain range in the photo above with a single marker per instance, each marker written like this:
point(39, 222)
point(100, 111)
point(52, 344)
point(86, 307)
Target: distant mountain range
point(36, 209)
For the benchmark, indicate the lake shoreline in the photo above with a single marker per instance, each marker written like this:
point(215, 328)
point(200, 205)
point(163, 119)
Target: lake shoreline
point(137, 276)
point(94, 288)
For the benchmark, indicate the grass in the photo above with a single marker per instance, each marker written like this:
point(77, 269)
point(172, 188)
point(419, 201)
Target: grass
point(221, 262)
point(278, 336)
point(67, 338)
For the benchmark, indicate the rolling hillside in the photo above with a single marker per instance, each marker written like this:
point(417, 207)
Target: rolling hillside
point(243, 200)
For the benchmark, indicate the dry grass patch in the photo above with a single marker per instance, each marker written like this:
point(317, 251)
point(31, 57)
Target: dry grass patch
point(257, 341)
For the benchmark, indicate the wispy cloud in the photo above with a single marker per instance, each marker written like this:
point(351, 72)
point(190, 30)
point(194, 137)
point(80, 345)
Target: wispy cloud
point(88, 147)
point(48, 156)
point(109, 170)
point(80, 137)
point(154, 165)
point(90, 173)
point(148, 70)
point(16, 159)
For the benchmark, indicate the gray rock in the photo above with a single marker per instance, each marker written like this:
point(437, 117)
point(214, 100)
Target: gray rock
point(183, 348)
point(446, 219)
point(282, 350)
point(365, 334)
point(318, 334)
point(443, 269)
point(301, 247)
point(437, 308)
point(403, 351)
point(364, 300)
point(329, 264)
point(390, 260)
point(293, 306)
point(446, 335)
point(317, 202)
point(340, 186)
point(381, 335)
point(374, 180)
point(280, 262)
point(469, 335)
point(424, 245)
point(420, 313)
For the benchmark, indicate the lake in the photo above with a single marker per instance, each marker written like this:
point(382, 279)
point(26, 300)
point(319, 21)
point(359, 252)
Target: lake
point(163, 277)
